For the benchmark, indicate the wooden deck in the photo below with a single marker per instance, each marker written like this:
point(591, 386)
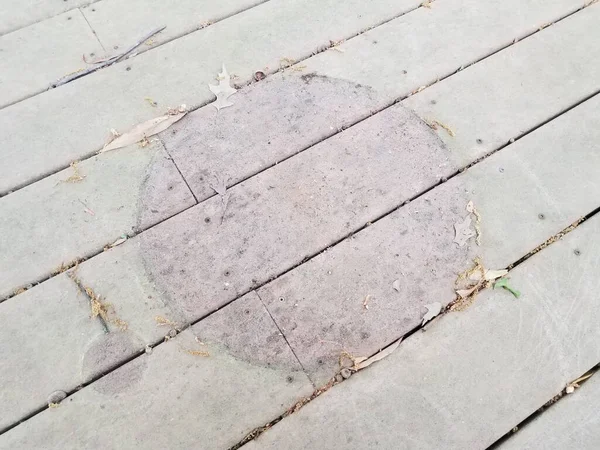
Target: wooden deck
point(218, 284)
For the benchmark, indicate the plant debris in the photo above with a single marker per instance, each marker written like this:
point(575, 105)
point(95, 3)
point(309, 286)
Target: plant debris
point(576, 383)
point(433, 310)
point(119, 241)
point(223, 90)
point(284, 63)
point(362, 362)
point(426, 4)
point(144, 130)
point(63, 267)
point(151, 102)
point(433, 124)
point(503, 283)
point(76, 177)
point(220, 185)
point(470, 282)
point(197, 353)
point(100, 64)
point(463, 231)
point(160, 320)
point(471, 209)
point(103, 310)
point(491, 275)
point(335, 45)
point(366, 302)
point(558, 236)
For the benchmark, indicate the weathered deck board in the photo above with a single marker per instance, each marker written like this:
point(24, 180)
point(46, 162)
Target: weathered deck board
point(114, 97)
point(38, 55)
point(574, 422)
point(322, 310)
point(473, 375)
point(16, 14)
point(171, 398)
point(205, 257)
point(122, 22)
point(407, 53)
point(506, 95)
point(308, 109)
point(44, 335)
point(61, 221)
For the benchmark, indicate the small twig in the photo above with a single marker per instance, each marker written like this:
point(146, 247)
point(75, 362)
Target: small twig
point(107, 62)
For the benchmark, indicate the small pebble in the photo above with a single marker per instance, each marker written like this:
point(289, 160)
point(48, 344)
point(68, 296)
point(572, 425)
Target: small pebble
point(172, 333)
point(345, 373)
point(148, 349)
point(57, 397)
point(339, 378)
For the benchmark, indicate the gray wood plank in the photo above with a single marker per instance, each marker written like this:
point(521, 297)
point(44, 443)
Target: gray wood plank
point(472, 375)
point(210, 254)
point(176, 73)
point(407, 53)
point(44, 334)
point(506, 95)
point(16, 14)
point(56, 222)
point(172, 398)
point(525, 193)
point(312, 104)
point(36, 56)
point(309, 109)
point(123, 22)
point(574, 422)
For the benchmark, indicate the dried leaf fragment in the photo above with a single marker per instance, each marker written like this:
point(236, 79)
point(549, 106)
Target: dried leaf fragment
point(463, 231)
point(503, 283)
point(144, 130)
point(432, 310)
point(366, 302)
point(464, 293)
point(223, 90)
point(119, 241)
point(361, 363)
point(220, 185)
point(491, 275)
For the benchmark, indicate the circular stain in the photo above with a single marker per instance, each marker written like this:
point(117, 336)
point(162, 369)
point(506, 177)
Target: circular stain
point(107, 352)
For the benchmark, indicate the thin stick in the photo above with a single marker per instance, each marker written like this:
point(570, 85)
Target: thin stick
point(107, 62)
